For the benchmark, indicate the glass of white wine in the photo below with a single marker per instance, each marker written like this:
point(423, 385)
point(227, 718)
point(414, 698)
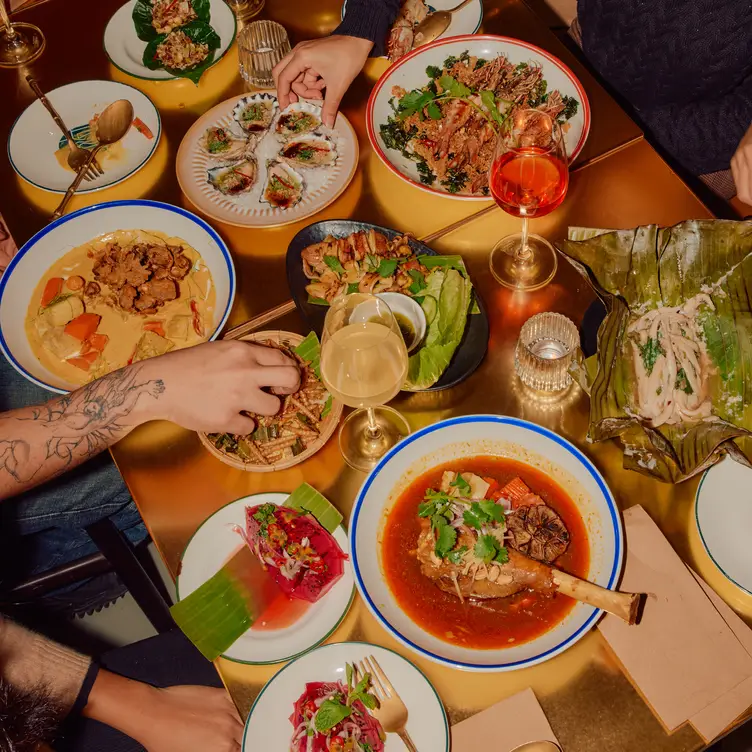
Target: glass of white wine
point(363, 365)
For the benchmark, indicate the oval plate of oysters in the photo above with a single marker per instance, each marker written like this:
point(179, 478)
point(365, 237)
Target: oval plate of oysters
point(246, 163)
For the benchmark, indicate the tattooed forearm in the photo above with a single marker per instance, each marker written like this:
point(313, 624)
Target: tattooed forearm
point(41, 442)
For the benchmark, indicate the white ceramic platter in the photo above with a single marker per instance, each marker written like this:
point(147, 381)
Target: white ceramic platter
point(126, 50)
point(268, 726)
point(472, 436)
point(35, 138)
point(19, 281)
point(323, 185)
point(410, 73)
point(210, 548)
point(723, 513)
point(465, 21)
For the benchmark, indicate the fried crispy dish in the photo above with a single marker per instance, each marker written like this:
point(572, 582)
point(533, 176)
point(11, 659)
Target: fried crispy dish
point(292, 430)
point(361, 262)
point(171, 14)
point(142, 276)
point(449, 126)
point(402, 34)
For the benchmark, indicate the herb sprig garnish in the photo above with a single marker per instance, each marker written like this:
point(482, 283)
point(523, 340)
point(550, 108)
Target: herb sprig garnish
point(337, 708)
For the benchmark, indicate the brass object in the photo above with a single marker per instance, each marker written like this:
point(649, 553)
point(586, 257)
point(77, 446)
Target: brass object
point(618, 181)
point(77, 157)
point(435, 24)
point(112, 125)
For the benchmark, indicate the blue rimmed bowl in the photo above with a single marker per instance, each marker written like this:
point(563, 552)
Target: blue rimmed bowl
point(19, 281)
point(472, 436)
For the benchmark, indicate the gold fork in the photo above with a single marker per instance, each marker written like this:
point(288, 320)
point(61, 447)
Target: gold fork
point(392, 712)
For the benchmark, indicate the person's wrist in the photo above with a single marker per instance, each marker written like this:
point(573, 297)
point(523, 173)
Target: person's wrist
point(154, 403)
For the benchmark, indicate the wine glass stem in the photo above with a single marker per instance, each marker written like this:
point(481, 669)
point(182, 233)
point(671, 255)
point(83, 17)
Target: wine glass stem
point(373, 430)
point(524, 252)
point(10, 33)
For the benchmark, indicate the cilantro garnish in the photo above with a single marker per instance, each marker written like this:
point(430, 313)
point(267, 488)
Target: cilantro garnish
point(387, 267)
point(461, 484)
point(489, 549)
point(483, 513)
point(650, 353)
point(455, 557)
point(264, 515)
point(419, 281)
point(433, 71)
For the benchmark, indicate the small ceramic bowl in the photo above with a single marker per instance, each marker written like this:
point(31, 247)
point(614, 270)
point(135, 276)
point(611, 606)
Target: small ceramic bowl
point(409, 308)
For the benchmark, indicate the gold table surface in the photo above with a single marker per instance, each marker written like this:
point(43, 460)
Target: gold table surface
point(619, 181)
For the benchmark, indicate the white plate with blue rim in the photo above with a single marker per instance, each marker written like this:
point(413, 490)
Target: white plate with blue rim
point(723, 514)
point(465, 21)
point(37, 255)
point(216, 541)
point(268, 726)
point(126, 50)
point(38, 151)
point(474, 436)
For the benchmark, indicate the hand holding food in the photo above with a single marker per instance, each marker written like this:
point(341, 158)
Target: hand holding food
point(741, 168)
point(332, 62)
point(207, 387)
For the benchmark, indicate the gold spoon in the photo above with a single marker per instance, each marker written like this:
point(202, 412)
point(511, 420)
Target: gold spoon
point(435, 24)
point(112, 125)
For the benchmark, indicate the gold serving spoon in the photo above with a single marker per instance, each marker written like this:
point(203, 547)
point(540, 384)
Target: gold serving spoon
point(435, 24)
point(112, 125)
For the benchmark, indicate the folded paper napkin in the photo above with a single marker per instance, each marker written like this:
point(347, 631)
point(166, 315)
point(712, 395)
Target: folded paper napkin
point(691, 656)
point(520, 716)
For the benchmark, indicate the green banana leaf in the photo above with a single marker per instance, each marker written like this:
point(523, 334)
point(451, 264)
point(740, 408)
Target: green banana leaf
point(142, 16)
point(634, 271)
point(199, 32)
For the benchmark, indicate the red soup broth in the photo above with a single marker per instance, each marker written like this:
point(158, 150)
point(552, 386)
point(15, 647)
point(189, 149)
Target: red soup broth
point(488, 624)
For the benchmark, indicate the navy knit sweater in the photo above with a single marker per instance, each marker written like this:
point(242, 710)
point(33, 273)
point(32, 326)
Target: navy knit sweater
point(684, 65)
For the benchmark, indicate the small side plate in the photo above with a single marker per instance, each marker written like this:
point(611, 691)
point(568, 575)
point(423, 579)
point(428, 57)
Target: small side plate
point(723, 514)
point(472, 349)
point(216, 541)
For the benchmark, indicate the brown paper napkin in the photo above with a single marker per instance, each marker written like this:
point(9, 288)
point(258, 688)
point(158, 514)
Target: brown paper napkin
point(717, 716)
point(520, 717)
point(683, 656)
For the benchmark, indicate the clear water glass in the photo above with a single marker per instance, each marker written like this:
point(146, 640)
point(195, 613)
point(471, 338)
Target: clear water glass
point(545, 350)
point(261, 45)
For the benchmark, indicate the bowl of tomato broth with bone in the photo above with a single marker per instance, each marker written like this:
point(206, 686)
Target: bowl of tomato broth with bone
point(470, 537)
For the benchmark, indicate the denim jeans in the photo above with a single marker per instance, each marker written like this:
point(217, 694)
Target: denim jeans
point(45, 527)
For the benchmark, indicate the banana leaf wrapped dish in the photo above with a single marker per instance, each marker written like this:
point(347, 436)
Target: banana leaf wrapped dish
point(672, 378)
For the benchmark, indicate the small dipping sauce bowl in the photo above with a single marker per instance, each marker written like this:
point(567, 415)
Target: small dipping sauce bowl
point(408, 313)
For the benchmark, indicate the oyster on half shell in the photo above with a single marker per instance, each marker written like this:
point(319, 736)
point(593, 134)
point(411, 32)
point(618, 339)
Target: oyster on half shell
point(309, 150)
point(235, 178)
point(297, 119)
point(255, 112)
point(222, 143)
point(284, 187)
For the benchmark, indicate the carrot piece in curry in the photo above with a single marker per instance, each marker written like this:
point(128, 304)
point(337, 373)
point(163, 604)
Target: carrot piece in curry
point(52, 289)
point(155, 326)
point(98, 341)
point(83, 326)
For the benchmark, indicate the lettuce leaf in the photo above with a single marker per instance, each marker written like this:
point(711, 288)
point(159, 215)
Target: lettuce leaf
point(453, 291)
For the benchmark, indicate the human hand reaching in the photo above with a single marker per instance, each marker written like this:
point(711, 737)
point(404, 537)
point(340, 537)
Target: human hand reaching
point(741, 168)
point(329, 63)
point(207, 386)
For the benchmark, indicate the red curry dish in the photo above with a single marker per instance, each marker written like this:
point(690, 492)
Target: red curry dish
point(467, 550)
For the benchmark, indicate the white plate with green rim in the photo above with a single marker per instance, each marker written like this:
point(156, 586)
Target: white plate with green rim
point(723, 514)
point(37, 149)
point(216, 541)
point(126, 50)
point(268, 726)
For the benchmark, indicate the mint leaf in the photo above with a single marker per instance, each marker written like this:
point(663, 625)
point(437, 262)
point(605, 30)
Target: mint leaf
point(333, 263)
point(369, 701)
point(460, 483)
point(387, 267)
point(486, 548)
point(330, 714)
point(446, 539)
point(455, 557)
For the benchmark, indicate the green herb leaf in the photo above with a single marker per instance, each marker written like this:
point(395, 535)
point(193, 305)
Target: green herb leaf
point(330, 714)
point(650, 353)
point(471, 519)
point(412, 102)
point(387, 267)
point(571, 105)
point(488, 98)
point(419, 281)
point(455, 180)
point(433, 111)
point(460, 483)
point(433, 71)
point(352, 287)
point(370, 702)
point(333, 263)
point(349, 675)
point(427, 176)
point(446, 539)
point(486, 548)
point(494, 511)
point(502, 557)
point(454, 88)
point(455, 557)
point(682, 382)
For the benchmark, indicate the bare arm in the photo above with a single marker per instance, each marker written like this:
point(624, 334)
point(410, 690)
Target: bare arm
point(38, 443)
